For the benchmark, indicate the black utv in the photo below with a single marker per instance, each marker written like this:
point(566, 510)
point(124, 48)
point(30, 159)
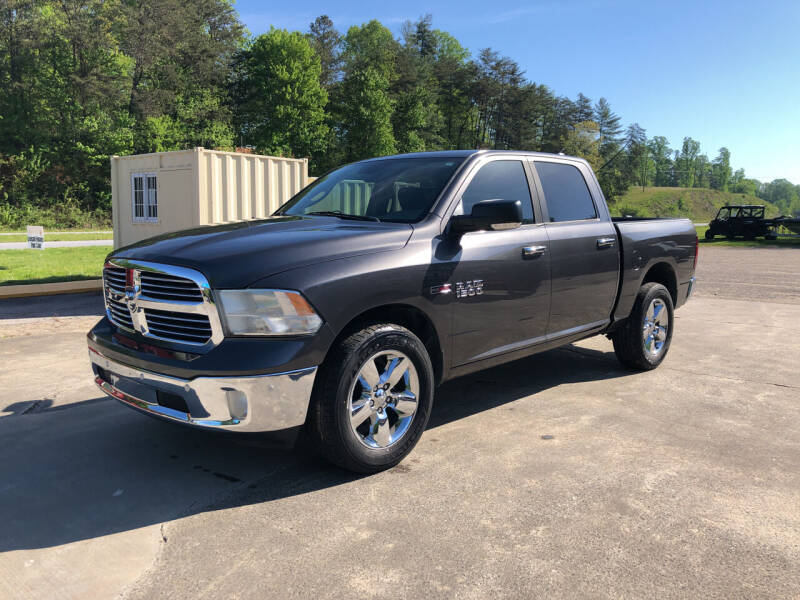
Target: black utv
point(746, 221)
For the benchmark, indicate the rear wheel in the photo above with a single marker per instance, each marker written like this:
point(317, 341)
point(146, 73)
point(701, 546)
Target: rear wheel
point(709, 234)
point(373, 399)
point(643, 341)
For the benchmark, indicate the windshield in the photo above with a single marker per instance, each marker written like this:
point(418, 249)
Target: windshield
point(400, 190)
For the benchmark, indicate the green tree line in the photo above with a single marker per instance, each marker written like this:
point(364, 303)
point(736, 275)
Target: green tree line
point(81, 80)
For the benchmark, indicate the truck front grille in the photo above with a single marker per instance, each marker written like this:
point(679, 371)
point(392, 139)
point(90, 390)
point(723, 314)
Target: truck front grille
point(162, 286)
point(116, 308)
point(179, 326)
point(161, 301)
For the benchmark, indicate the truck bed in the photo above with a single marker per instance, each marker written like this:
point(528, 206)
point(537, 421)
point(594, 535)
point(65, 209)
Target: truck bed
point(645, 242)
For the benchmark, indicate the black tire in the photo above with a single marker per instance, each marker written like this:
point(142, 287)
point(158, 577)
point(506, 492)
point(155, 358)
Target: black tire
point(629, 340)
point(329, 413)
point(709, 235)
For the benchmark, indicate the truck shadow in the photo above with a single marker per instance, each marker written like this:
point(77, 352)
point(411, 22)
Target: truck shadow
point(97, 469)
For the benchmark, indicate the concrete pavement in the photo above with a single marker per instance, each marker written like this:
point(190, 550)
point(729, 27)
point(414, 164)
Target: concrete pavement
point(560, 475)
point(2, 233)
point(63, 244)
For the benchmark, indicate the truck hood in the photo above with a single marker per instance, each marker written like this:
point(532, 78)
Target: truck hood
point(237, 254)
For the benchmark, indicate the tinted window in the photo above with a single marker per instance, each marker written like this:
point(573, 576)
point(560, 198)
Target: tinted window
point(394, 189)
point(503, 179)
point(565, 191)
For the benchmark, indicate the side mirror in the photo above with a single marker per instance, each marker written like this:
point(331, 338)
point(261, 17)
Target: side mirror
point(492, 215)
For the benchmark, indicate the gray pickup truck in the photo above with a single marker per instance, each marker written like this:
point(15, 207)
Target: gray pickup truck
point(342, 312)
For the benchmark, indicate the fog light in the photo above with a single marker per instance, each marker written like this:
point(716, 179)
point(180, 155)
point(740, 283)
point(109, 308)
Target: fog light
point(237, 403)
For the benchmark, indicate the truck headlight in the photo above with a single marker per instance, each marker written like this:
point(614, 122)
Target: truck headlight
point(267, 312)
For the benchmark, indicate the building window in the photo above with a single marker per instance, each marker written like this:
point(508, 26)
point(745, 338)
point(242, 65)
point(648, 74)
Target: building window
point(144, 191)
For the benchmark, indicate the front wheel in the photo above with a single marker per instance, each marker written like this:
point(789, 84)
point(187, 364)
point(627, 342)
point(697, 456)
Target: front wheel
point(643, 341)
point(709, 235)
point(373, 399)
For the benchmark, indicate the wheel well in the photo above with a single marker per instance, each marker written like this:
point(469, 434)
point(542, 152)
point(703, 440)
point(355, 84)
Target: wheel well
point(407, 316)
point(664, 274)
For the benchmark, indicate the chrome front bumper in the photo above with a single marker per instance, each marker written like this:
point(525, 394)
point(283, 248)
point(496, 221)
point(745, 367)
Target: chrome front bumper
point(258, 403)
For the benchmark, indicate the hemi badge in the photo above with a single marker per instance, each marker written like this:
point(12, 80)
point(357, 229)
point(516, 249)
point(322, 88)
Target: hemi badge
point(441, 289)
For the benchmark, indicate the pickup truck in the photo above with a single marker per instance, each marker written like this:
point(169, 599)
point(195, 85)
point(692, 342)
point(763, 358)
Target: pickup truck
point(341, 313)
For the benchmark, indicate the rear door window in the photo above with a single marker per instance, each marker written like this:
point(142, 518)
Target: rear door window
point(565, 192)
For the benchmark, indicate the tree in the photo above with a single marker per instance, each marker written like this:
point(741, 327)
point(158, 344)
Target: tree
point(421, 37)
point(608, 125)
point(583, 109)
point(661, 155)
point(182, 55)
point(454, 75)
point(584, 140)
point(326, 42)
point(498, 77)
point(416, 119)
point(721, 170)
point(639, 163)
point(367, 119)
point(685, 162)
point(702, 172)
point(783, 194)
point(365, 107)
point(280, 101)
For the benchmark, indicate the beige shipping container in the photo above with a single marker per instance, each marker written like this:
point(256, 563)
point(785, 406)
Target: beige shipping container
point(169, 191)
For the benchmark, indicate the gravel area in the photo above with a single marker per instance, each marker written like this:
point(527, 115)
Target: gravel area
point(759, 274)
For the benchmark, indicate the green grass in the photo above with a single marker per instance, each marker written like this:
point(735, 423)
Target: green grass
point(51, 265)
point(59, 237)
point(698, 204)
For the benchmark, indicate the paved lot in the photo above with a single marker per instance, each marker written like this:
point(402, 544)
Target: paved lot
point(56, 244)
point(2, 233)
point(560, 475)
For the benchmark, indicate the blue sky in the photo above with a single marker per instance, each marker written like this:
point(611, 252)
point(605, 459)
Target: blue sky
point(724, 73)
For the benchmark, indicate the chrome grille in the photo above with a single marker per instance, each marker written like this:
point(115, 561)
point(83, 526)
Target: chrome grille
point(169, 287)
point(118, 313)
point(178, 326)
point(161, 301)
point(115, 278)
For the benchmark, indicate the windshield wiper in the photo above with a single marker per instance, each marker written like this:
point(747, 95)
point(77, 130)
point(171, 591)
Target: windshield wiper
point(341, 215)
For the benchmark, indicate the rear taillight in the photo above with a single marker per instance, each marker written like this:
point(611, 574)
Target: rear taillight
point(696, 251)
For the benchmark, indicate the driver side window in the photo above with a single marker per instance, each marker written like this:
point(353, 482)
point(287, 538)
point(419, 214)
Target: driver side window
point(499, 179)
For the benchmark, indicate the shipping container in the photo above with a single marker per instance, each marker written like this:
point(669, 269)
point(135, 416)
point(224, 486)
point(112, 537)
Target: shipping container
point(164, 192)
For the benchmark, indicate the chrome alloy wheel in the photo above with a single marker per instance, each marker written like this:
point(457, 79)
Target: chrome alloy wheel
point(383, 399)
point(655, 328)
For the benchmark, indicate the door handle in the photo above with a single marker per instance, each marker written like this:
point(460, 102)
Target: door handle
point(605, 242)
point(533, 251)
